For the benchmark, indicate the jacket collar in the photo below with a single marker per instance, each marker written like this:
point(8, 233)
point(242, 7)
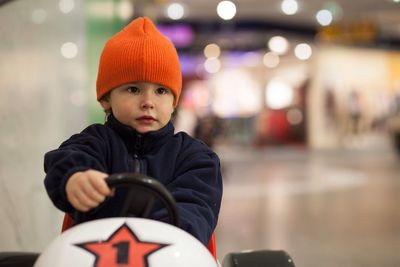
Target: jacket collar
point(137, 142)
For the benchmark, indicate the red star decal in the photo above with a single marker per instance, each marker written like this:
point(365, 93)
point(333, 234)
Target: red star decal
point(121, 249)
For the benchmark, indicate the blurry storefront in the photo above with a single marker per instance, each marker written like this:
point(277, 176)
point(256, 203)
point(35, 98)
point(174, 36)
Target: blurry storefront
point(320, 92)
point(353, 95)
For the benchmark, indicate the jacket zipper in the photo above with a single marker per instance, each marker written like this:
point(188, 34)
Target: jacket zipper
point(138, 146)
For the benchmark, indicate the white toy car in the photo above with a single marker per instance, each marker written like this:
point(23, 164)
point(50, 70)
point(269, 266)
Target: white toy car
point(139, 242)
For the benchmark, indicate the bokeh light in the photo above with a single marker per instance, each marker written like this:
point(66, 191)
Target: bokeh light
point(289, 7)
point(303, 51)
point(212, 65)
point(294, 116)
point(279, 94)
point(271, 60)
point(226, 10)
point(212, 51)
point(324, 17)
point(278, 44)
point(175, 11)
point(69, 50)
point(66, 6)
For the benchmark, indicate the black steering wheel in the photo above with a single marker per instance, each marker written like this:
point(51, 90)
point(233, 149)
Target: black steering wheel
point(143, 191)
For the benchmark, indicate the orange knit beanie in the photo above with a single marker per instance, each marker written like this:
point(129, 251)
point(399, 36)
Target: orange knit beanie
point(139, 53)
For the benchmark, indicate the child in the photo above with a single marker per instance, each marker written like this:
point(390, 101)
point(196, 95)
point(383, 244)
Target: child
point(138, 86)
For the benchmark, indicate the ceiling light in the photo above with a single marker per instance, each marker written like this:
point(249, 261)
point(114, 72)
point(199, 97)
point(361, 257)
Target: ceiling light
point(271, 60)
point(324, 17)
point(303, 51)
point(278, 44)
point(212, 51)
point(66, 6)
point(175, 11)
point(69, 50)
point(226, 10)
point(212, 65)
point(289, 7)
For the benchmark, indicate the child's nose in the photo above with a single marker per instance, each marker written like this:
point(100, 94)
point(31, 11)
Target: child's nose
point(147, 101)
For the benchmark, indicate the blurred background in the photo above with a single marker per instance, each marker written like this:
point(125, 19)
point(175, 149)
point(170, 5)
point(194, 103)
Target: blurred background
point(300, 99)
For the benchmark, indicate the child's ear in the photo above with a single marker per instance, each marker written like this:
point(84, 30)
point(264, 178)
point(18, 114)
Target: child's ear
point(105, 104)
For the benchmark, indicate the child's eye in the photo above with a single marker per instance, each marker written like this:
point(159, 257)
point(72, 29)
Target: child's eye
point(132, 89)
point(162, 90)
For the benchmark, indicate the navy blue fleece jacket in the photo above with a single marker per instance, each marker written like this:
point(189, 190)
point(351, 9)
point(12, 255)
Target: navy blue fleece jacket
point(186, 166)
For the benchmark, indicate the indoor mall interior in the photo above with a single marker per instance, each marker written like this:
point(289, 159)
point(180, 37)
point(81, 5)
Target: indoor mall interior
point(300, 100)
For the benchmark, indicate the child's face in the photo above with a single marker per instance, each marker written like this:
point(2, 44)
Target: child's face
point(143, 106)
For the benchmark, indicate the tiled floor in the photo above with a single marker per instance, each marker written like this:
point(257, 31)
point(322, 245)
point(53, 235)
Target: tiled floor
point(325, 209)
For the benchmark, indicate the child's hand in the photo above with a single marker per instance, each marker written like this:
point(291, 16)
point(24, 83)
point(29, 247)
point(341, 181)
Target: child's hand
point(86, 190)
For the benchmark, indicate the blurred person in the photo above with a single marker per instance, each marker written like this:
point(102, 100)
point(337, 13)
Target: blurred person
point(138, 85)
point(356, 121)
point(330, 107)
point(208, 128)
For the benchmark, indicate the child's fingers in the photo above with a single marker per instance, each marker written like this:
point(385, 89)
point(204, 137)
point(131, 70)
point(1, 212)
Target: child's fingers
point(86, 190)
point(91, 192)
point(77, 204)
point(98, 183)
point(86, 201)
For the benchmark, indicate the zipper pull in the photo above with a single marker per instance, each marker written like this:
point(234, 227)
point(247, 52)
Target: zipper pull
point(138, 146)
point(136, 163)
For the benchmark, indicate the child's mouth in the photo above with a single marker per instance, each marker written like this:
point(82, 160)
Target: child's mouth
point(146, 119)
